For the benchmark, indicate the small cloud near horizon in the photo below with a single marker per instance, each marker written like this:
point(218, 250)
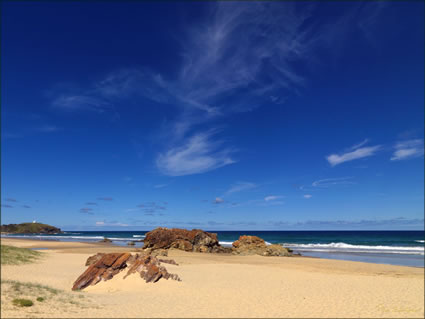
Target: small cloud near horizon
point(114, 223)
point(105, 198)
point(272, 197)
point(332, 181)
point(240, 186)
point(86, 210)
point(218, 200)
point(160, 186)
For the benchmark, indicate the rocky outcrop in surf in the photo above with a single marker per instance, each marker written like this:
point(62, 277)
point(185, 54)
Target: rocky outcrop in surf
point(253, 245)
point(188, 240)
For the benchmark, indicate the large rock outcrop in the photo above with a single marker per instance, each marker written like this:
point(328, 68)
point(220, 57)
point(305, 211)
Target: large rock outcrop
point(183, 239)
point(253, 245)
point(105, 266)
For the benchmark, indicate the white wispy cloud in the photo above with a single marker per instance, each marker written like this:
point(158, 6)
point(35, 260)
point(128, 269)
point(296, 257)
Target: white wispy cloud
point(272, 197)
point(48, 128)
point(160, 185)
point(240, 186)
point(332, 181)
point(408, 149)
point(198, 155)
point(240, 56)
point(105, 223)
point(81, 102)
point(356, 146)
point(354, 152)
point(307, 196)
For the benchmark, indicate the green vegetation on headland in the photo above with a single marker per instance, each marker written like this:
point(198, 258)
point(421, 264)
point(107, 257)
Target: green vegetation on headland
point(30, 228)
point(15, 256)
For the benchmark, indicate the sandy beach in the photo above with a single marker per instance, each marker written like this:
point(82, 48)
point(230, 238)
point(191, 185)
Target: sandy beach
point(218, 286)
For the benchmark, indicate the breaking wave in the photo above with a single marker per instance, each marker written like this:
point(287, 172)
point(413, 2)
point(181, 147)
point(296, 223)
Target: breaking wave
point(343, 247)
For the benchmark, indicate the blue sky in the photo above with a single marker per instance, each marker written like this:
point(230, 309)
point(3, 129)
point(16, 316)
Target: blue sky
point(222, 116)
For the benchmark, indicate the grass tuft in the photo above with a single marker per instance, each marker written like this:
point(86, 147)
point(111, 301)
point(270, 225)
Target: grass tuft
point(22, 302)
point(41, 299)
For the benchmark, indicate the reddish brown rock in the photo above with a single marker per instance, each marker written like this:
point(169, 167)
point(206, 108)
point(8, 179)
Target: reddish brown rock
point(150, 269)
point(93, 259)
point(106, 266)
point(168, 261)
point(277, 250)
point(188, 240)
point(249, 241)
point(253, 245)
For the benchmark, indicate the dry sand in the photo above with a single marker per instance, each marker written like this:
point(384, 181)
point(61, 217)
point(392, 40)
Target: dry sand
point(221, 286)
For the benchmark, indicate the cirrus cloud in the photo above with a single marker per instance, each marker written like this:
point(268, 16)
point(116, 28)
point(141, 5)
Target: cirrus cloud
point(408, 149)
point(355, 152)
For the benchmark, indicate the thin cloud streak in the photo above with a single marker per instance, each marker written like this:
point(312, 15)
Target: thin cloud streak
point(105, 198)
point(332, 181)
point(240, 186)
point(408, 149)
point(272, 197)
point(355, 152)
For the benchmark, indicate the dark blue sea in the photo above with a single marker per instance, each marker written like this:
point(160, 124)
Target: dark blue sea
point(383, 247)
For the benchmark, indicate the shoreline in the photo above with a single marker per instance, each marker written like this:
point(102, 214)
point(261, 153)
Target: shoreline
point(136, 247)
point(94, 247)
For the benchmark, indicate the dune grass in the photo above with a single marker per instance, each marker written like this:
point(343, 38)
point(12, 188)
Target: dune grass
point(20, 302)
point(30, 298)
point(16, 256)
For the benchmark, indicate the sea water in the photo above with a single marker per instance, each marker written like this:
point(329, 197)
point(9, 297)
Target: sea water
point(385, 247)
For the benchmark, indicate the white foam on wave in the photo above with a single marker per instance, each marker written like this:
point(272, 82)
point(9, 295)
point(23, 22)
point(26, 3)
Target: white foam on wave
point(419, 241)
point(143, 236)
point(225, 243)
point(344, 247)
point(71, 237)
point(229, 243)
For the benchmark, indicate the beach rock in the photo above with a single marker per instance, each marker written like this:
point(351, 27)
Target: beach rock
point(277, 250)
point(249, 245)
point(168, 261)
point(93, 259)
point(106, 266)
point(131, 243)
point(105, 240)
point(187, 240)
point(150, 269)
point(253, 245)
point(159, 252)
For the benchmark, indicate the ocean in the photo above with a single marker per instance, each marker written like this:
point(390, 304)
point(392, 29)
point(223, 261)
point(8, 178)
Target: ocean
point(404, 248)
